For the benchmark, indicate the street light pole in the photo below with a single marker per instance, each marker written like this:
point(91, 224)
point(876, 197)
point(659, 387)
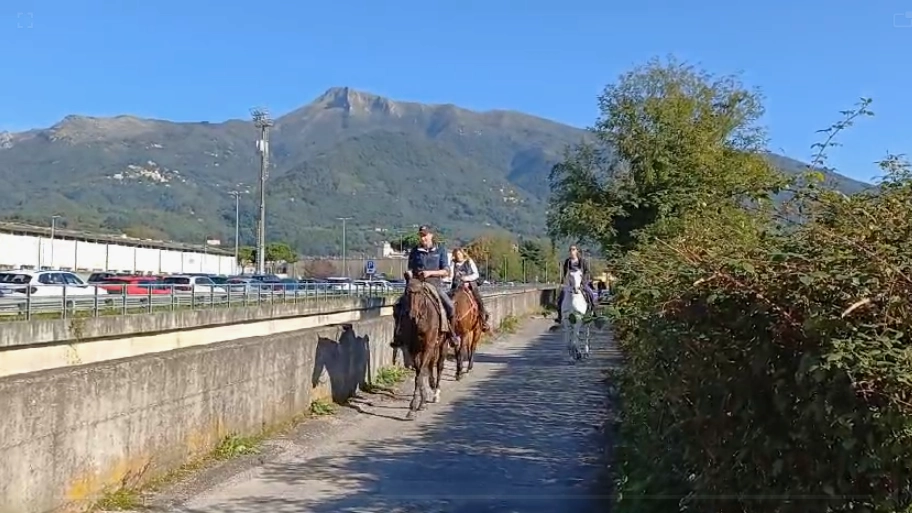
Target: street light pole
point(344, 257)
point(53, 229)
point(237, 227)
point(262, 121)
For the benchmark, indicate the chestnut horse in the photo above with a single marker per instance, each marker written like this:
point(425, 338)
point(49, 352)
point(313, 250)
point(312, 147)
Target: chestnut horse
point(419, 329)
point(468, 326)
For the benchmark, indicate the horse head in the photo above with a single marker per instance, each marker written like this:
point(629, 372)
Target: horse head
point(574, 282)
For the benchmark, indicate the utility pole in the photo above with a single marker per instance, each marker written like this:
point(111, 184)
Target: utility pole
point(237, 227)
point(53, 229)
point(263, 122)
point(344, 257)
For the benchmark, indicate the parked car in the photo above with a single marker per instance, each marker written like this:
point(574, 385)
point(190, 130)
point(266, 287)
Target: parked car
point(271, 280)
point(247, 285)
point(371, 286)
point(193, 284)
point(46, 283)
point(101, 276)
point(134, 286)
point(340, 284)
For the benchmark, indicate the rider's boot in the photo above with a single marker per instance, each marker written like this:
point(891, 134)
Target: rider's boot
point(485, 321)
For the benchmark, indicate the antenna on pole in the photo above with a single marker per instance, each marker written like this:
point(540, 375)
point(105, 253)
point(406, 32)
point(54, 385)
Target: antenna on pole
point(262, 122)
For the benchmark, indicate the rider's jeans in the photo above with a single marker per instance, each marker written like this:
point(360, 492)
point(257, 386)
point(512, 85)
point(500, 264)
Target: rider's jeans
point(442, 291)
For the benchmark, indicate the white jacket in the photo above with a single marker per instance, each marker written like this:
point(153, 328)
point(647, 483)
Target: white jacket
point(471, 275)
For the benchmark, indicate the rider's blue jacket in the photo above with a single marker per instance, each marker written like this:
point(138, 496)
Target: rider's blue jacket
point(433, 259)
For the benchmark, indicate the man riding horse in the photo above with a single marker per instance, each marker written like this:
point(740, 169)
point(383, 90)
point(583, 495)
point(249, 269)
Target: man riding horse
point(428, 261)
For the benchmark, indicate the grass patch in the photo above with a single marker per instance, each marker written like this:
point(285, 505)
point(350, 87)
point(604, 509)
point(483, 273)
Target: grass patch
point(121, 499)
point(233, 446)
point(509, 324)
point(322, 407)
point(390, 376)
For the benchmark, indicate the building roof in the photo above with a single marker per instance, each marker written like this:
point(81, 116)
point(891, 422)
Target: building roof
point(123, 240)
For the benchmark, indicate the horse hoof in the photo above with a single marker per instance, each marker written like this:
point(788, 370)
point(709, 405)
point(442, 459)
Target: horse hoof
point(460, 375)
point(410, 415)
point(436, 398)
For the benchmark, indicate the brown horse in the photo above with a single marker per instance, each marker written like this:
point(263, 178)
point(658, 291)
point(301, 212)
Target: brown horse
point(468, 325)
point(419, 329)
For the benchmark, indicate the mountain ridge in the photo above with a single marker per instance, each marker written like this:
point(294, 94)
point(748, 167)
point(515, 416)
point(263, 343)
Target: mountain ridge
point(390, 163)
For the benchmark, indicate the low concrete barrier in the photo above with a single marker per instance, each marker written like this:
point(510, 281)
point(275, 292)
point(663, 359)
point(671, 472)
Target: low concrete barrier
point(71, 433)
point(65, 331)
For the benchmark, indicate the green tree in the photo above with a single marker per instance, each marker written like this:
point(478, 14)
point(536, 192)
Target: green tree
point(280, 252)
point(670, 138)
point(409, 240)
point(534, 258)
point(497, 256)
point(246, 255)
point(404, 242)
point(275, 252)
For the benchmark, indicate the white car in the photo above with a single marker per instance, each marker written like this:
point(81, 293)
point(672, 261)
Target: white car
point(376, 286)
point(193, 284)
point(46, 283)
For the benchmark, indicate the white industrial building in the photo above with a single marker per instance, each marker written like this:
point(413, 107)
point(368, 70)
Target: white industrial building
point(32, 247)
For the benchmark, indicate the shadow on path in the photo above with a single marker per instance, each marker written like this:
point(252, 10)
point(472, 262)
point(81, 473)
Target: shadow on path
point(525, 437)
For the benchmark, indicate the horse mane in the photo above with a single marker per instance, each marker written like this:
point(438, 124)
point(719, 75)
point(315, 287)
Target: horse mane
point(421, 305)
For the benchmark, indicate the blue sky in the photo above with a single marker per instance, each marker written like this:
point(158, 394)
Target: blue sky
point(212, 60)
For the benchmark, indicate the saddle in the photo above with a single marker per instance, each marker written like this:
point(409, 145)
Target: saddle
point(435, 295)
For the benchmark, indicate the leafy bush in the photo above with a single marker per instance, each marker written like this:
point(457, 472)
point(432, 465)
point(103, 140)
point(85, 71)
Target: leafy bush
point(768, 365)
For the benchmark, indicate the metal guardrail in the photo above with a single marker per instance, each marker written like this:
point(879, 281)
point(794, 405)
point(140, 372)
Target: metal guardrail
point(168, 298)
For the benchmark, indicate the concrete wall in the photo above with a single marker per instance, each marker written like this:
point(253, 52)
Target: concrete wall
point(35, 252)
point(69, 433)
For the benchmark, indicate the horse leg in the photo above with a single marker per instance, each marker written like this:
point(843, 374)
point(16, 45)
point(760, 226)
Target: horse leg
point(426, 370)
point(577, 327)
point(441, 365)
point(586, 341)
point(471, 344)
point(418, 393)
point(566, 331)
point(460, 358)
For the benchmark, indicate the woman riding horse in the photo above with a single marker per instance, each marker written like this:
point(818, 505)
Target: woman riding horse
point(465, 273)
point(575, 262)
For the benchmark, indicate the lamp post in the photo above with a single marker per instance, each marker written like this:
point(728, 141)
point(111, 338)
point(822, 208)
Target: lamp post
point(53, 229)
point(344, 257)
point(237, 226)
point(263, 122)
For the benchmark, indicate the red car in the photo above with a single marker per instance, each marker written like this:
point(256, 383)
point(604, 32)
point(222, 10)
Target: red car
point(133, 286)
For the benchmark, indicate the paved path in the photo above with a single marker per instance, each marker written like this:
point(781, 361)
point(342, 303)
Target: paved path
point(520, 434)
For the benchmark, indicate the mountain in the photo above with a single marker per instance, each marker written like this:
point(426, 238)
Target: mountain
point(389, 164)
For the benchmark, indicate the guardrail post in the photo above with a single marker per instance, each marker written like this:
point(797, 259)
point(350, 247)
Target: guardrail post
point(64, 311)
point(28, 303)
point(123, 299)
